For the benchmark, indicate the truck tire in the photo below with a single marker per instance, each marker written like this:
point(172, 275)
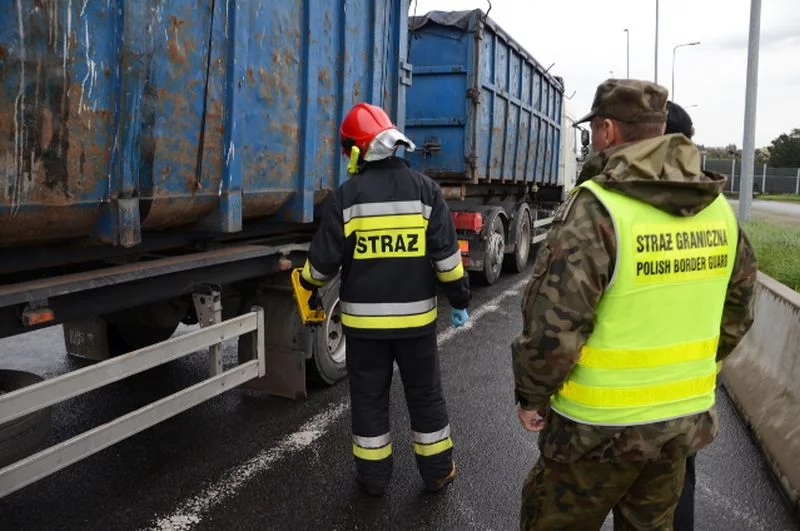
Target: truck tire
point(329, 350)
point(515, 262)
point(494, 251)
point(21, 437)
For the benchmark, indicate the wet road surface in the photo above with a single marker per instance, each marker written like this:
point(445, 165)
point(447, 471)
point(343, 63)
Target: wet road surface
point(246, 461)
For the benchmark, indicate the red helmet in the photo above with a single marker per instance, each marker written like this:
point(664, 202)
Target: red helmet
point(361, 125)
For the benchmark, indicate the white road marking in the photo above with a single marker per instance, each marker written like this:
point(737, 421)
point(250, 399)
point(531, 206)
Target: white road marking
point(735, 508)
point(190, 513)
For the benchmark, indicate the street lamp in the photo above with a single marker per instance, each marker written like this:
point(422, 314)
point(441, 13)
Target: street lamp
point(673, 63)
point(627, 53)
point(750, 100)
point(655, 77)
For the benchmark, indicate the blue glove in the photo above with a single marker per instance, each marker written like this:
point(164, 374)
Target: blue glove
point(458, 317)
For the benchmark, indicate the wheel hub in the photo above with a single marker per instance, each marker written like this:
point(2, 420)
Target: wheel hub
point(334, 333)
point(524, 240)
point(496, 249)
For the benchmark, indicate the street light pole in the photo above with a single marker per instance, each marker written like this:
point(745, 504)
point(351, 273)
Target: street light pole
point(627, 54)
point(655, 77)
point(750, 100)
point(672, 93)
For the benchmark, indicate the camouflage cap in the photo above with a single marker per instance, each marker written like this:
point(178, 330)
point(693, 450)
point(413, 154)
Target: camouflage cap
point(629, 100)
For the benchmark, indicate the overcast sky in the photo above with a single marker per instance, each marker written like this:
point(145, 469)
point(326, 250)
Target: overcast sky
point(585, 39)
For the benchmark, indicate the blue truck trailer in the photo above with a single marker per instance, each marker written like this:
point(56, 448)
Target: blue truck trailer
point(163, 162)
point(487, 118)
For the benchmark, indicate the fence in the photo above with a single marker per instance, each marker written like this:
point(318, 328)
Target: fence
point(765, 179)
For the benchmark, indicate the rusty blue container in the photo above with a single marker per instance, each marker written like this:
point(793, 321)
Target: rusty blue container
point(121, 118)
point(482, 109)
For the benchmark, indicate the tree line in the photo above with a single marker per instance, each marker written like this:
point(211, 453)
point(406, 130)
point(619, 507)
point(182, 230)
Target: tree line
point(783, 152)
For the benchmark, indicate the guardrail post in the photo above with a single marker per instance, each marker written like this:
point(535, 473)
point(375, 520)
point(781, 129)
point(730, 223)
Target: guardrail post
point(215, 351)
point(259, 339)
point(733, 174)
point(764, 178)
point(208, 305)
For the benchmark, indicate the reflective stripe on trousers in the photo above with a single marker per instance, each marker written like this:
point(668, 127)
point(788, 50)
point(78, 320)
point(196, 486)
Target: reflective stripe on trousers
point(432, 443)
point(372, 448)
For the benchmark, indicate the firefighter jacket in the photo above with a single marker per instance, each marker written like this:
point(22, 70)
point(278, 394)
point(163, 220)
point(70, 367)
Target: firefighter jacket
point(390, 230)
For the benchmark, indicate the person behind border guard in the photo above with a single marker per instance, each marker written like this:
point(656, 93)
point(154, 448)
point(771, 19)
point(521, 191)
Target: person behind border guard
point(644, 283)
point(679, 121)
point(390, 230)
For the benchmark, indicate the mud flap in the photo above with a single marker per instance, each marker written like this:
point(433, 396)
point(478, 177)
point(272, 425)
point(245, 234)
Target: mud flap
point(87, 339)
point(287, 343)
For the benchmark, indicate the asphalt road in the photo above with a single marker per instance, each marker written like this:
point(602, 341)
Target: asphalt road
point(244, 461)
point(774, 210)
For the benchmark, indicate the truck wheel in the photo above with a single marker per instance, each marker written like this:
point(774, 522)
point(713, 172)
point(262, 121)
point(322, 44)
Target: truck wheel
point(21, 437)
point(515, 262)
point(494, 253)
point(327, 363)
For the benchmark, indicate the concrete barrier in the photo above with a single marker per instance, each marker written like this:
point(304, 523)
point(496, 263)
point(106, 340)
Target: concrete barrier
point(763, 378)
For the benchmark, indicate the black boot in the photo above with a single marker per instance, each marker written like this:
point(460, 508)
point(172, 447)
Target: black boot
point(436, 486)
point(370, 489)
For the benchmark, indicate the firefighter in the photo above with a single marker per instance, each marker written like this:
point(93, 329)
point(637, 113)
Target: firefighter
point(389, 229)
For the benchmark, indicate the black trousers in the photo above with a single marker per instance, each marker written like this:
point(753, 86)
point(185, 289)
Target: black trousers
point(684, 513)
point(370, 366)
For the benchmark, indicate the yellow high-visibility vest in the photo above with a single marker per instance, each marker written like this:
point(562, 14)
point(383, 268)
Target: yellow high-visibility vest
point(651, 355)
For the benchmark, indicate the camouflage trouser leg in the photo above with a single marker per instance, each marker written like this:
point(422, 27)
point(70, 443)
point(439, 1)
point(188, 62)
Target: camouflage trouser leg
point(579, 495)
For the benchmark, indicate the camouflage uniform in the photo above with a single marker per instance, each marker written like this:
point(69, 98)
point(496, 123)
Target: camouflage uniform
point(584, 470)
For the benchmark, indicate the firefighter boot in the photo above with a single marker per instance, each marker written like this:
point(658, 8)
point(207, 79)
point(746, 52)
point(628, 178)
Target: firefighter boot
point(436, 486)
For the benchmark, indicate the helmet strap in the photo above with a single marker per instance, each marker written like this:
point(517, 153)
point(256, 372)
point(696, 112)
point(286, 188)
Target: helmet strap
point(352, 166)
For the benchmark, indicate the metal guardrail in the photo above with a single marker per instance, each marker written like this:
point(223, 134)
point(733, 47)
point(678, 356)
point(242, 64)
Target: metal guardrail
point(53, 391)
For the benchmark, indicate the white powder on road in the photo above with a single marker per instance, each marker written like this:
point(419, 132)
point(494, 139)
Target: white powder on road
point(190, 512)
